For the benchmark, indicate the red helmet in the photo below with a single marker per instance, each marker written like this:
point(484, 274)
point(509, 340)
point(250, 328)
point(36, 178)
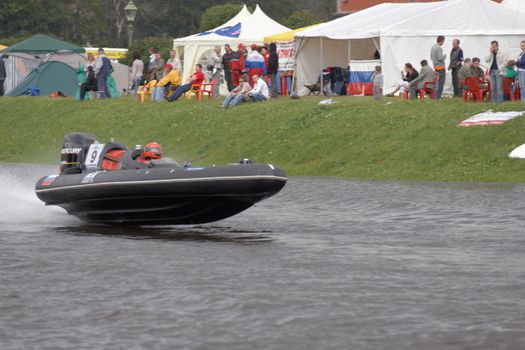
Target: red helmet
point(152, 150)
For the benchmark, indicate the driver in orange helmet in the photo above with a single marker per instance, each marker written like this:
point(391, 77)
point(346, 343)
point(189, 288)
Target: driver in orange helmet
point(153, 150)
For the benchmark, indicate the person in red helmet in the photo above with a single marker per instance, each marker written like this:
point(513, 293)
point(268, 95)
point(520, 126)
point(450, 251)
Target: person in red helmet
point(153, 150)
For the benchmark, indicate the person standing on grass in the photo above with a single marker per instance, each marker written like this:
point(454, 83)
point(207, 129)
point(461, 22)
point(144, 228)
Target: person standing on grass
point(102, 69)
point(137, 69)
point(456, 59)
point(216, 63)
point(226, 58)
point(174, 61)
point(520, 63)
point(2, 75)
point(497, 61)
point(378, 83)
point(273, 68)
point(438, 60)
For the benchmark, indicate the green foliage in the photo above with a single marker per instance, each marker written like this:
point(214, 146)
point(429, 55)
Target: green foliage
point(217, 15)
point(354, 138)
point(300, 19)
point(162, 43)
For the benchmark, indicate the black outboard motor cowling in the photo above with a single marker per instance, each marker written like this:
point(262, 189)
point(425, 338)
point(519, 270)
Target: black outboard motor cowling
point(74, 151)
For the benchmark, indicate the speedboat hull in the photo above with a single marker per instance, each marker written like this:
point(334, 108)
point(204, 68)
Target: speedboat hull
point(162, 196)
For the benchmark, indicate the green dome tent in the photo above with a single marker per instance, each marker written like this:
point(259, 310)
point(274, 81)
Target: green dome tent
point(48, 77)
point(42, 44)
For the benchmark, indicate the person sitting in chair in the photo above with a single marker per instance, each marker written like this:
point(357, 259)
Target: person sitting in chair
point(170, 82)
point(195, 79)
point(152, 151)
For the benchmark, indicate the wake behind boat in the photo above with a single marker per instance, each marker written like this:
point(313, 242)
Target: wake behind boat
point(105, 183)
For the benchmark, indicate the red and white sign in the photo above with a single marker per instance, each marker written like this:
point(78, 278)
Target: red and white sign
point(490, 118)
point(286, 52)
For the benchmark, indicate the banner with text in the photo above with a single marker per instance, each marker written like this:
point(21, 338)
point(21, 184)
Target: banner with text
point(285, 50)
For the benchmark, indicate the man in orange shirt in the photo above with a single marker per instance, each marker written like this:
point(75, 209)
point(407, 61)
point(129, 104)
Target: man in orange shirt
point(438, 59)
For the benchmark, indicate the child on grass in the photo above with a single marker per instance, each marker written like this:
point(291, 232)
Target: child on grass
point(377, 79)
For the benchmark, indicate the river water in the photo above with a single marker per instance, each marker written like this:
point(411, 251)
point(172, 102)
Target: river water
point(325, 264)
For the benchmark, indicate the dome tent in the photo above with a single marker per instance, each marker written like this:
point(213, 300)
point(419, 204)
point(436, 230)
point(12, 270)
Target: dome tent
point(48, 77)
point(245, 27)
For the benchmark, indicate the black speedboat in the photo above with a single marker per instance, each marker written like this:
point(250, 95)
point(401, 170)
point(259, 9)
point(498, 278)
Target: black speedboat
point(104, 183)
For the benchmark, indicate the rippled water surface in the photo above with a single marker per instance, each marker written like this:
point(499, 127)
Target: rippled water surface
point(326, 264)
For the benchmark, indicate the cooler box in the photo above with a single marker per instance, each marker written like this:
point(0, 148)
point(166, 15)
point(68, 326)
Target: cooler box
point(360, 77)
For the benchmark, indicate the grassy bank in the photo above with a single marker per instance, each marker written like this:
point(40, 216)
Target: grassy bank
point(357, 137)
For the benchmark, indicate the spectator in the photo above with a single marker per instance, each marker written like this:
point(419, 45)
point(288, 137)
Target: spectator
point(238, 94)
point(438, 60)
point(137, 69)
point(273, 68)
point(226, 59)
point(157, 68)
point(426, 74)
point(464, 73)
point(174, 61)
point(3, 74)
point(237, 64)
point(260, 89)
point(497, 61)
point(152, 51)
point(475, 69)
point(520, 63)
point(89, 85)
point(266, 55)
point(509, 78)
point(170, 81)
point(378, 83)
point(194, 80)
point(102, 68)
point(255, 64)
point(456, 59)
point(409, 74)
point(216, 63)
point(90, 61)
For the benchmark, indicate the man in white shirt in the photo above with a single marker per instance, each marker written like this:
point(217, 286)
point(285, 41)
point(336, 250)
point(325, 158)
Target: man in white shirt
point(174, 61)
point(260, 89)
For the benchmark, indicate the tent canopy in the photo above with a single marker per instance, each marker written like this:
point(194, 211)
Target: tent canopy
point(245, 27)
point(405, 32)
point(515, 4)
point(286, 36)
point(42, 44)
point(48, 77)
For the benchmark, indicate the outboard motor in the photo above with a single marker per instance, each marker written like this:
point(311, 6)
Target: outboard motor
point(74, 151)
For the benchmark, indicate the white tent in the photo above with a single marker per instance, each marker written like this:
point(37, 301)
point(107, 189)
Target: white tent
point(514, 4)
point(247, 28)
point(405, 32)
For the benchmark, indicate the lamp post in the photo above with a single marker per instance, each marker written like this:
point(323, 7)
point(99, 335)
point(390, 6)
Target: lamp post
point(131, 12)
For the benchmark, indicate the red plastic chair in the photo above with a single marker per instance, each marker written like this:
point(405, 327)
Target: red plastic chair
point(507, 87)
point(428, 90)
point(207, 89)
point(474, 90)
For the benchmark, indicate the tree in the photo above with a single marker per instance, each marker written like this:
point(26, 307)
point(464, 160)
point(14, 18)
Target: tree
point(217, 15)
point(300, 19)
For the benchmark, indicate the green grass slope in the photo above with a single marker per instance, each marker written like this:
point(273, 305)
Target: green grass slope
point(356, 137)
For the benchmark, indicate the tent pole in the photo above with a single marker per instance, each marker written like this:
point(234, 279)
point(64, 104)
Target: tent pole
point(322, 65)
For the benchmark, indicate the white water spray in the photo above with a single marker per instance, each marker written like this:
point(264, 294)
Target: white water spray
point(20, 205)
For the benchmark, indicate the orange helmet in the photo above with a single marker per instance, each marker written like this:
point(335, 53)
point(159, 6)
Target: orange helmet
point(152, 150)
